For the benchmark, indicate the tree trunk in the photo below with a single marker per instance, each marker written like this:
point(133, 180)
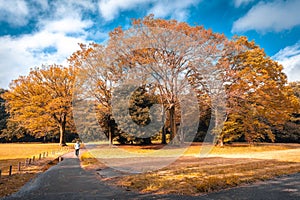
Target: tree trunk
point(146, 141)
point(218, 128)
point(109, 135)
point(164, 131)
point(172, 124)
point(111, 130)
point(220, 142)
point(163, 136)
point(62, 136)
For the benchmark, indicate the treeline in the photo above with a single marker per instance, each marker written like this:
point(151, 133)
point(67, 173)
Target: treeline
point(160, 79)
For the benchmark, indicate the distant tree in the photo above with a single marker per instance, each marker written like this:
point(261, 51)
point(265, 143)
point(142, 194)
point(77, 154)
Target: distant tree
point(41, 102)
point(3, 114)
point(291, 128)
point(140, 104)
point(13, 131)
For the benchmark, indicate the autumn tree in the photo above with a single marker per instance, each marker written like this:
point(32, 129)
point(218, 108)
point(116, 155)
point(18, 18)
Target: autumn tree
point(97, 76)
point(291, 128)
point(41, 102)
point(258, 95)
point(187, 68)
point(166, 53)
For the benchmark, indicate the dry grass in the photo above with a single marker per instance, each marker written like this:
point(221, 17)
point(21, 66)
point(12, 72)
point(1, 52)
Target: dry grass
point(224, 167)
point(12, 154)
point(89, 162)
point(206, 176)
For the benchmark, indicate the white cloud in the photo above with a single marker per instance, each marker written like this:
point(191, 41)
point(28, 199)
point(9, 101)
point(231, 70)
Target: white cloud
point(43, 4)
point(71, 8)
point(271, 16)
point(66, 25)
point(22, 53)
point(56, 37)
point(238, 3)
point(289, 57)
point(177, 9)
point(14, 12)
point(110, 9)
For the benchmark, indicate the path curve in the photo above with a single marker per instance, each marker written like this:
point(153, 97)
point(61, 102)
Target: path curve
point(67, 180)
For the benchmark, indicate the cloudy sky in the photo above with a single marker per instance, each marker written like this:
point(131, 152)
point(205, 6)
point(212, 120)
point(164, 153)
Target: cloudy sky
point(36, 32)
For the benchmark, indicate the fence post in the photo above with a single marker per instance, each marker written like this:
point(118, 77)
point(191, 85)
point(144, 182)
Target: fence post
point(40, 156)
point(29, 162)
point(0, 174)
point(26, 162)
point(10, 170)
point(19, 166)
point(33, 158)
point(47, 154)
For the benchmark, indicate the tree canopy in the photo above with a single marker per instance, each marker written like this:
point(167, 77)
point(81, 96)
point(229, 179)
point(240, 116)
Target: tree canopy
point(41, 101)
point(159, 75)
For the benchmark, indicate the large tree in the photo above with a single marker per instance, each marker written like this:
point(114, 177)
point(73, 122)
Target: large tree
point(41, 102)
point(234, 79)
point(165, 53)
point(258, 94)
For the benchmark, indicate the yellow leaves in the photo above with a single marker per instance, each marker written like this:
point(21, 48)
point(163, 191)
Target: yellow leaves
point(259, 98)
point(33, 100)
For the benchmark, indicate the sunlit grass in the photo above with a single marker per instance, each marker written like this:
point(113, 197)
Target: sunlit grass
point(13, 153)
point(25, 150)
point(223, 167)
point(124, 151)
point(197, 179)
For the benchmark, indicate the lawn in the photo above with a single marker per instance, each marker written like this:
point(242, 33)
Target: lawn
point(193, 174)
point(15, 153)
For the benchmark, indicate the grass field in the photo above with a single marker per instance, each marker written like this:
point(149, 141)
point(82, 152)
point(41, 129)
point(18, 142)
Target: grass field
point(222, 168)
point(12, 154)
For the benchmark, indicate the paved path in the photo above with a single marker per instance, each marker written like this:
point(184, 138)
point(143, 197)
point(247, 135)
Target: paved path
point(69, 181)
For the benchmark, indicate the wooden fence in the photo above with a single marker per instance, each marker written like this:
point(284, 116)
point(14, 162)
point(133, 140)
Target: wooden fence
point(17, 168)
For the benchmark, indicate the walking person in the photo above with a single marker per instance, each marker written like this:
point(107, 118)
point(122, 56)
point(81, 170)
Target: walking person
point(77, 147)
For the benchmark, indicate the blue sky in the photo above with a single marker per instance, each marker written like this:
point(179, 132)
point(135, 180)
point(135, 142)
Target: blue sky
point(36, 32)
